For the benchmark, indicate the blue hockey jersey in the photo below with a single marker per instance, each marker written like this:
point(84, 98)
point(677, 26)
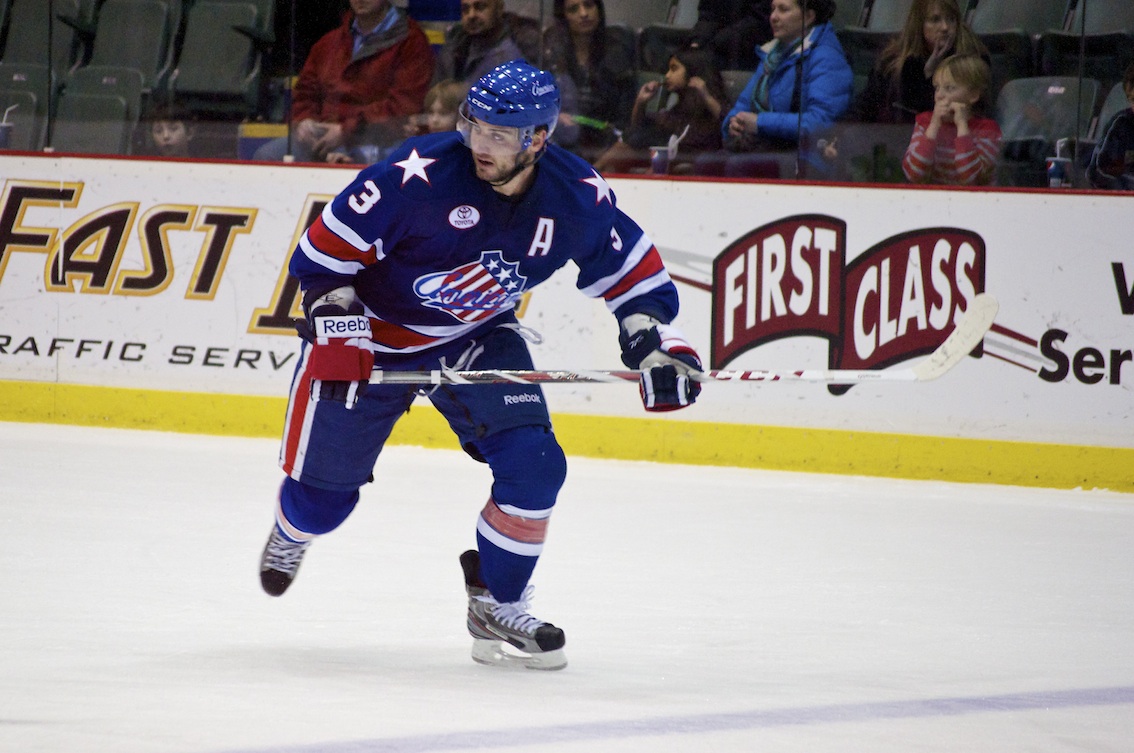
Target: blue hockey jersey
point(434, 253)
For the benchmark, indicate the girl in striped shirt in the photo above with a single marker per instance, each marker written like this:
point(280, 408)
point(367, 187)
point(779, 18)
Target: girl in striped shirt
point(951, 145)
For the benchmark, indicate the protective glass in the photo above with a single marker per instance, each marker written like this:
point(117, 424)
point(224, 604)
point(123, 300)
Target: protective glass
point(500, 141)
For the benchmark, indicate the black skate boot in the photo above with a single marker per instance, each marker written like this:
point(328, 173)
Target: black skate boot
point(504, 634)
point(280, 562)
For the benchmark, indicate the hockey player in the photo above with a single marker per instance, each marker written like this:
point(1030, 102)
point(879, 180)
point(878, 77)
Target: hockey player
point(418, 264)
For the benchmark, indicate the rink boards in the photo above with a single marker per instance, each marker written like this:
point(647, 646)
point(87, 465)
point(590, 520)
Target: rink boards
point(154, 294)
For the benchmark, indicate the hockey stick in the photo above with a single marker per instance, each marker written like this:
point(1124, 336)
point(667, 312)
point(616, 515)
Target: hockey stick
point(966, 336)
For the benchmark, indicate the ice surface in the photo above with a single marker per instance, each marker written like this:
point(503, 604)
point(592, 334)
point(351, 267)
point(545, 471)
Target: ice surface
point(705, 609)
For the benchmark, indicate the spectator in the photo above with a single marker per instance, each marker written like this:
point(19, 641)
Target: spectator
point(1112, 163)
point(778, 106)
point(731, 30)
point(694, 117)
point(440, 114)
point(359, 83)
point(171, 130)
point(901, 84)
point(442, 103)
point(951, 144)
point(595, 72)
point(485, 37)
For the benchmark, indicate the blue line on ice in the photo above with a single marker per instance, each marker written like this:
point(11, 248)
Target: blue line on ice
point(709, 723)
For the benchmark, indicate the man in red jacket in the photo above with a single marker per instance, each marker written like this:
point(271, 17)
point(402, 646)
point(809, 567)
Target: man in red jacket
point(359, 83)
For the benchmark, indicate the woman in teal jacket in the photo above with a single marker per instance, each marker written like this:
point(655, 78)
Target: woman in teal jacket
point(766, 115)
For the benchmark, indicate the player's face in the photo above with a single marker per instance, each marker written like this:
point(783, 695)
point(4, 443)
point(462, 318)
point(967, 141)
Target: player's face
point(495, 169)
point(498, 152)
point(490, 140)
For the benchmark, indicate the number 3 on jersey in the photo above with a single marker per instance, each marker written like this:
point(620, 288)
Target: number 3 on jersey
point(365, 201)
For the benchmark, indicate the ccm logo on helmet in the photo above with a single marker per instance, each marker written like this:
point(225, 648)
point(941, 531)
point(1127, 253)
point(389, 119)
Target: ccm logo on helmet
point(541, 90)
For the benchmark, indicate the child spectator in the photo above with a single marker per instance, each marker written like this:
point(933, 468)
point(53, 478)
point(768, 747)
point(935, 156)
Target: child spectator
point(441, 104)
point(700, 102)
point(440, 114)
point(171, 131)
point(1112, 163)
point(952, 144)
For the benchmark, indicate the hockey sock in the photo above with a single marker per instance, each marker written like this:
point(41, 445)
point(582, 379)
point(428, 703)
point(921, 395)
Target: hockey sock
point(528, 469)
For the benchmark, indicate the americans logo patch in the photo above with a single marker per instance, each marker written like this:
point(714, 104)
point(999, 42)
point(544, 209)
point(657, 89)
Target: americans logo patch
point(475, 290)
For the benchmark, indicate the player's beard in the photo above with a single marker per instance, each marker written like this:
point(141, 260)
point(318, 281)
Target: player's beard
point(498, 172)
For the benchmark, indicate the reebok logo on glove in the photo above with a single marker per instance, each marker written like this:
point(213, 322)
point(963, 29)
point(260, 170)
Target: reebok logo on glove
point(342, 326)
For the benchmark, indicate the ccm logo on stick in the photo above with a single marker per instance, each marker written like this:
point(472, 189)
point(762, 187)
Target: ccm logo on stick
point(342, 326)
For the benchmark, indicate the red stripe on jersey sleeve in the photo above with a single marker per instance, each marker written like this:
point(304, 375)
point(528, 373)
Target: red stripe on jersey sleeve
point(649, 266)
point(332, 245)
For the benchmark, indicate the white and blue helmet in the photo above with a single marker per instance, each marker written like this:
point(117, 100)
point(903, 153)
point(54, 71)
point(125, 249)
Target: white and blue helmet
point(517, 95)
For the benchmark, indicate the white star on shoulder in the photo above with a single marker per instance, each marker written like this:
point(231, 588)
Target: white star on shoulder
point(602, 188)
point(414, 166)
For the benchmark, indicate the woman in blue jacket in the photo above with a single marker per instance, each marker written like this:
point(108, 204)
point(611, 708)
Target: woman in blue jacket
point(768, 113)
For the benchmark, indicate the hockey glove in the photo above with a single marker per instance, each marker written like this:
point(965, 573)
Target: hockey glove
point(341, 360)
point(668, 362)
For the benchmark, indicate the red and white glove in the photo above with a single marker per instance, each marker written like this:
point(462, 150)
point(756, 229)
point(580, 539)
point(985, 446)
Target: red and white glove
point(340, 361)
point(668, 362)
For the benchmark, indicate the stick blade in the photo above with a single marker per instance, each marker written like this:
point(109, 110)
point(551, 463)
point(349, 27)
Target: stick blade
point(964, 338)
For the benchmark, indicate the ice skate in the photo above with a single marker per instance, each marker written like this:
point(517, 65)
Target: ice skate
point(505, 635)
point(280, 562)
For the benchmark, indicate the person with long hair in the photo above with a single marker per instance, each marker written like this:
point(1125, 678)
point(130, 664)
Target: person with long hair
point(595, 70)
point(901, 84)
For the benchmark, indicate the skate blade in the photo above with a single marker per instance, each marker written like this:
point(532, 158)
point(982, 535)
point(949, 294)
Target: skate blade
point(500, 654)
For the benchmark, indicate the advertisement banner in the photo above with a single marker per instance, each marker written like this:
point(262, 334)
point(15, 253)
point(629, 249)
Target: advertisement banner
point(173, 276)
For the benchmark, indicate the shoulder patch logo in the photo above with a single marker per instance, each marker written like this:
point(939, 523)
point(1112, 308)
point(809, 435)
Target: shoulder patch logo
point(464, 217)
